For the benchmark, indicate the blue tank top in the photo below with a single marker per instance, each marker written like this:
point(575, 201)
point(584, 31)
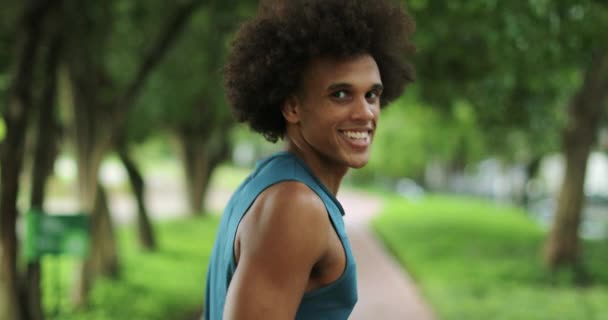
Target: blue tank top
point(332, 302)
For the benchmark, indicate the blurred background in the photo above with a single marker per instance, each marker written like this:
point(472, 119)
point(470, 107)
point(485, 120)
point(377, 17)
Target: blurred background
point(118, 151)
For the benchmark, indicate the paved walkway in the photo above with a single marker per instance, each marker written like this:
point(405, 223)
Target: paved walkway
point(386, 292)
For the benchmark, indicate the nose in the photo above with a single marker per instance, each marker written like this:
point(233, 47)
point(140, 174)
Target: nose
point(363, 110)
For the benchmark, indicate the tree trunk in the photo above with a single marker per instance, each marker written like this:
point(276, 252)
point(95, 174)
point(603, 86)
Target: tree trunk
point(44, 156)
point(104, 261)
point(11, 167)
point(202, 151)
point(562, 248)
point(16, 118)
point(90, 143)
point(532, 168)
point(144, 227)
point(196, 170)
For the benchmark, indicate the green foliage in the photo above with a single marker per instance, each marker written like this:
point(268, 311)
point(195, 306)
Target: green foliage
point(493, 79)
point(517, 63)
point(168, 284)
point(186, 90)
point(9, 17)
point(2, 129)
point(137, 25)
point(186, 87)
point(411, 134)
point(134, 27)
point(486, 85)
point(479, 260)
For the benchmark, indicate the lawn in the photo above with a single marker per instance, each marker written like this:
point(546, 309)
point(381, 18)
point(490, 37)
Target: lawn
point(477, 260)
point(167, 284)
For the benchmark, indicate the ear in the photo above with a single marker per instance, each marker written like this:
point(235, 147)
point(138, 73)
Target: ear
point(291, 109)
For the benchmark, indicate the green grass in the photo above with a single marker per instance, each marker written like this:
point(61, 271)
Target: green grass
point(167, 284)
point(477, 260)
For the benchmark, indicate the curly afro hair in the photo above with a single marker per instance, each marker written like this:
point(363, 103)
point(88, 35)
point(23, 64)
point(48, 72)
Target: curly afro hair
point(271, 51)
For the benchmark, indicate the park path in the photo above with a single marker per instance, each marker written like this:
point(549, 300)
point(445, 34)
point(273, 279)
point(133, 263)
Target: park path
point(386, 292)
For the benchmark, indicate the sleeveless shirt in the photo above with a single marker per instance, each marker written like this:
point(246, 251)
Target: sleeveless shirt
point(334, 301)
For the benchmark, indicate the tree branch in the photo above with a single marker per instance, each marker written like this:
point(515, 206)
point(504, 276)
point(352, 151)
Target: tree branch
point(167, 38)
point(32, 21)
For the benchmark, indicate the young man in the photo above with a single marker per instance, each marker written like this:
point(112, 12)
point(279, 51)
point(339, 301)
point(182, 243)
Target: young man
point(314, 73)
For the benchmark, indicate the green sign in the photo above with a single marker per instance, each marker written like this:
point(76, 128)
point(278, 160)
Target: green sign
point(56, 234)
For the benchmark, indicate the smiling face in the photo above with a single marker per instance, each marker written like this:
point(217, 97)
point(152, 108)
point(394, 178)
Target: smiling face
point(332, 119)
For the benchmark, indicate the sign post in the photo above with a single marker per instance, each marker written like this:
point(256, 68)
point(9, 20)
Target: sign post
point(56, 235)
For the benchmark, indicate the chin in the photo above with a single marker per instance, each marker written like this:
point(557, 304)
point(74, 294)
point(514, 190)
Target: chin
point(358, 164)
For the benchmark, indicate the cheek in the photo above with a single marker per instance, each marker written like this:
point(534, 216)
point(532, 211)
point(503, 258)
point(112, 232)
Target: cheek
point(321, 119)
point(376, 112)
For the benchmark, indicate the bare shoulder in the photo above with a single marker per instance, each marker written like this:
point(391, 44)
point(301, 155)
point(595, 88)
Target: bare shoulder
point(289, 202)
point(295, 192)
point(288, 213)
point(279, 241)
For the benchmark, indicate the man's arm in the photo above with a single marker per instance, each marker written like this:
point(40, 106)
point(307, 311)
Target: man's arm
point(281, 238)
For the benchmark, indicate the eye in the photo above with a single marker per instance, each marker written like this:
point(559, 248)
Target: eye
point(340, 94)
point(372, 95)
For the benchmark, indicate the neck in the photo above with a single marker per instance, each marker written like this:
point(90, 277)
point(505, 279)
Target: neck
point(329, 173)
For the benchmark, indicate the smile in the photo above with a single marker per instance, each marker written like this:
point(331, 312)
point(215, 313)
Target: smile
point(356, 138)
point(356, 134)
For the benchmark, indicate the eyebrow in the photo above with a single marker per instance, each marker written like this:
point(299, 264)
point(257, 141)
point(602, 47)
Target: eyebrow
point(344, 85)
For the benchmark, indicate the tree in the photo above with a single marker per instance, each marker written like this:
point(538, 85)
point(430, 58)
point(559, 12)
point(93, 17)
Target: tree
point(100, 104)
point(519, 63)
point(585, 110)
point(47, 146)
point(16, 116)
point(193, 109)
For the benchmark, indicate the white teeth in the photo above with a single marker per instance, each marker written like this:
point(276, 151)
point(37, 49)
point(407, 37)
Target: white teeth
point(357, 134)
